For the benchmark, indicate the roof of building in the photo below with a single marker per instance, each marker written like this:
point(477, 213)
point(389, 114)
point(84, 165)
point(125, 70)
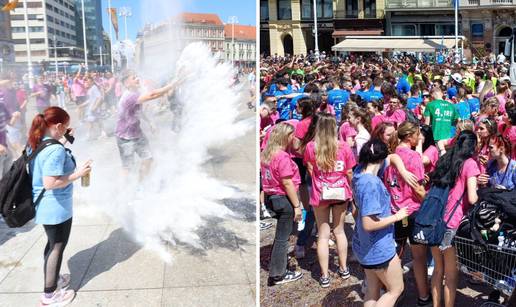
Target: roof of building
point(201, 18)
point(241, 32)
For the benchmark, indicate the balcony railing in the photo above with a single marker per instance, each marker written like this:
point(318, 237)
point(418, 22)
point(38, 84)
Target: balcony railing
point(444, 4)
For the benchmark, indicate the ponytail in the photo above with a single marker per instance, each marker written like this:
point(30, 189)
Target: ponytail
point(37, 130)
point(41, 123)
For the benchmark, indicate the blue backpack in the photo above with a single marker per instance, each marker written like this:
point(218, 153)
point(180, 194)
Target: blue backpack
point(429, 226)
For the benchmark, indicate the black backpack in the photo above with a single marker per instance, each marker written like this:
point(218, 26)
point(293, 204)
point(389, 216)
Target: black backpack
point(16, 203)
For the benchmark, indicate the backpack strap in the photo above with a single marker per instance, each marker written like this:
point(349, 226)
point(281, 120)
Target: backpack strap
point(455, 207)
point(33, 155)
point(44, 144)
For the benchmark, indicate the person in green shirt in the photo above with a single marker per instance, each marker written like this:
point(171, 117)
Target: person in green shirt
point(441, 115)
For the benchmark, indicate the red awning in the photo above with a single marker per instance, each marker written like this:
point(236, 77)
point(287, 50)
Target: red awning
point(341, 33)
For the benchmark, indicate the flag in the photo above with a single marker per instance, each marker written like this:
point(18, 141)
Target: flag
point(114, 20)
point(9, 6)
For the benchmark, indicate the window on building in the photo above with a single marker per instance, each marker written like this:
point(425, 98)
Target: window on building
point(351, 8)
point(264, 10)
point(427, 29)
point(284, 9)
point(403, 30)
point(477, 31)
point(35, 29)
point(324, 9)
point(445, 29)
point(370, 8)
point(18, 29)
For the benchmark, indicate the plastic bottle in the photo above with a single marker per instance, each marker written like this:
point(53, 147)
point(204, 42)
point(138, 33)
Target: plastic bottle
point(301, 224)
point(501, 240)
point(484, 234)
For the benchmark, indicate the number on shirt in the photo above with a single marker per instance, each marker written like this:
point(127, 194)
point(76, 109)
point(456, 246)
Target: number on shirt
point(339, 166)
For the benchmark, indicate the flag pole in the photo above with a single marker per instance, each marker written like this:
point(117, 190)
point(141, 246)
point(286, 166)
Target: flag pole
point(456, 4)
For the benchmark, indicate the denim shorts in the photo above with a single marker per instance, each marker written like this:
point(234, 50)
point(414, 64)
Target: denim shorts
point(448, 237)
point(128, 148)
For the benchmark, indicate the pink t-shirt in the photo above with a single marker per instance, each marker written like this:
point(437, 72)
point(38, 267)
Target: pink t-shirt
point(510, 133)
point(503, 102)
point(346, 130)
point(376, 120)
point(78, 88)
point(265, 121)
point(401, 193)
point(469, 169)
point(302, 127)
point(274, 117)
point(484, 151)
point(432, 153)
point(334, 179)
point(329, 109)
point(281, 166)
point(396, 117)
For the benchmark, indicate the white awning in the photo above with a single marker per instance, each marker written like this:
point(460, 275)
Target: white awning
point(387, 44)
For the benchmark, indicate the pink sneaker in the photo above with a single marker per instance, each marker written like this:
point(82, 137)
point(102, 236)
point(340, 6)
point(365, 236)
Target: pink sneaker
point(59, 299)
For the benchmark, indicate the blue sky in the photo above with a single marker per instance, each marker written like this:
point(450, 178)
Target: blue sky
point(156, 10)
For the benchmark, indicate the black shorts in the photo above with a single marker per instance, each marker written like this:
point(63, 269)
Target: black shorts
point(379, 266)
point(402, 233)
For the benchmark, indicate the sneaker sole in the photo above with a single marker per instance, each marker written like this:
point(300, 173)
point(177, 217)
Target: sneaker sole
point(325, 285)
point(345, 276)
point(60, 304)
point(281, 282)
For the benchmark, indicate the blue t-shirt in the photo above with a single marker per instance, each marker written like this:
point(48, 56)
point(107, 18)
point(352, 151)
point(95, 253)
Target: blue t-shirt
point(283, 105)
point(338, 98)
point(363, 94)
point(403, 86)
point(293, 107)
point(374, 95)
point(413, 102)
point(463, 110)
point(508, 180)
point(372, 198)
point(56, 205)
point(474, 105)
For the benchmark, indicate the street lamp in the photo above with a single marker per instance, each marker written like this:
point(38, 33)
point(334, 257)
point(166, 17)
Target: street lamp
point(27, 42)
point(110, 36)
point(125, 12)
point(316, 35)
point(233, 20)
point(84, 36)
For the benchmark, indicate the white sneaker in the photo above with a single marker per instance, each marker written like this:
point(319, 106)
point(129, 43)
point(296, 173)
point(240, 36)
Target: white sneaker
point(331, 243)
point(265, 212)
point(300, 252)
point(64, 281)
point(60, 298)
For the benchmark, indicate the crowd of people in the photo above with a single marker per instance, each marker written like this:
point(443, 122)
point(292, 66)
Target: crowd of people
point(61, 105)
point(373, 138)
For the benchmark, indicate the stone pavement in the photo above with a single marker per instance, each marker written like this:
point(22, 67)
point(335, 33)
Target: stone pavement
point(108, 269)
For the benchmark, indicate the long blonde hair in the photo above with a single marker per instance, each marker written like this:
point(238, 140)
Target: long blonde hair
point(326, 145)
point(277, 141)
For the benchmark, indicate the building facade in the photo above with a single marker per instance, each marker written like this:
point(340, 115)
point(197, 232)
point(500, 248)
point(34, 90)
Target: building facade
point(6, 42)
point(486, 24)
point(240, 44)
point(287, 26)
point(51, 24)
point(174, 34)
point(93, 21)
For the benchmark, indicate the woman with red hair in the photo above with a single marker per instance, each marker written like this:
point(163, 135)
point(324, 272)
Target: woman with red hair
point(53, 171)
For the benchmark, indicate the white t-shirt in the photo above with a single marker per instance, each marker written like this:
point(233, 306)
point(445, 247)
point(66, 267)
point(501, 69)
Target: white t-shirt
point(93, 95)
